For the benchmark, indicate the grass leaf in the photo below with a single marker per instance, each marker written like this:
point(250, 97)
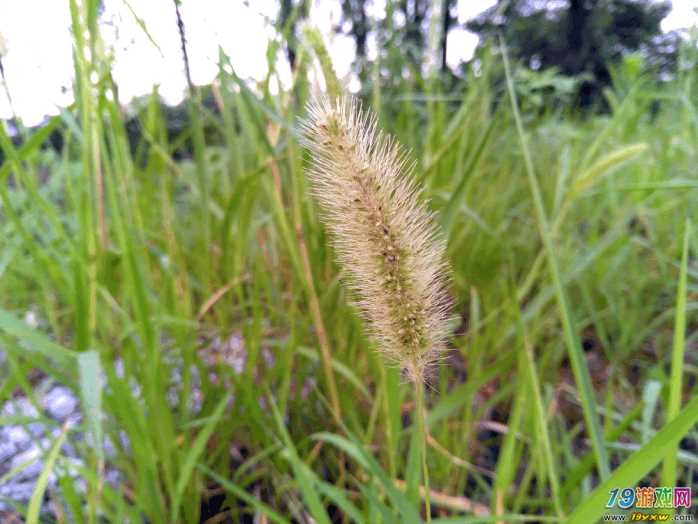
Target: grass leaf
point(37, 497)
point(194, 452)
point(639, 464)
point(677, 357)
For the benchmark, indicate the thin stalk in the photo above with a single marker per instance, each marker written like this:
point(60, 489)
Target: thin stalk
point(574, 350)
point(199, 152)
point(316, 313)
point(542, 426)
point(313, 300)
point(420, 418)
point(389, 436)
point(13, 119)
point(506, 465)
point(677, 357)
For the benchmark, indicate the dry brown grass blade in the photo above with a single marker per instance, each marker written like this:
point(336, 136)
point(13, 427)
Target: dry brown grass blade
point(218, 294)
point(463, 504)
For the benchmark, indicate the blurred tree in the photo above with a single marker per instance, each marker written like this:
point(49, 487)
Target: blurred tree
point(581, 37)
point(290, 14)
point(447, 21)
point(401, 33)
point(414, 13)
point(356, 19)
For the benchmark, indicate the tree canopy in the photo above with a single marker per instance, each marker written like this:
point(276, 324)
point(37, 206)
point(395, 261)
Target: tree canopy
point(578, 38)
point(581, 37)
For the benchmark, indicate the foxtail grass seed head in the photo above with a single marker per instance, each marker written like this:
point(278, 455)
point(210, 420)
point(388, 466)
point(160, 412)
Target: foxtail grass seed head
point(384, 236)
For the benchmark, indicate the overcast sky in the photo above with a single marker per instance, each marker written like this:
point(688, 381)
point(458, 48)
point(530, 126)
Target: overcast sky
point(35, 44)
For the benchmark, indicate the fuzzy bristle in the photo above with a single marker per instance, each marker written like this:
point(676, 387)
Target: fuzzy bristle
point(384, 236)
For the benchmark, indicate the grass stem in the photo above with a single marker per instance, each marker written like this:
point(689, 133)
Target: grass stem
point(677, 358)
point(574, 349)
point(420, 418)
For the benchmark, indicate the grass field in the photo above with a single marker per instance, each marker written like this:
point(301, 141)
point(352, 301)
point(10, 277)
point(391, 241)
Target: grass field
point(195, 306)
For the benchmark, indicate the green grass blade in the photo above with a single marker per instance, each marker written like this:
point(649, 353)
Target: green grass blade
point(339, 368)
point(407, 511)
point(542, 426)
point(314, 39)
point(605, 165)
point(677, 357)
point(34, 341)
point(197, 448)
point(73, 501)
point(16, 470)
point(638, 464)
point(574, 349)
point(90, 380)
point(506, 463)
point(341, 500)
point(304, 481)
point(243, 495)
point(42, 482)
point(456, 198)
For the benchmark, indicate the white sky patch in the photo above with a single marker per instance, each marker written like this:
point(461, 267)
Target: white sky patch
point(684, 13)
point(461, 46)
point(242, 32)
point(38, 57)
point(38, 61)
point(467, 9)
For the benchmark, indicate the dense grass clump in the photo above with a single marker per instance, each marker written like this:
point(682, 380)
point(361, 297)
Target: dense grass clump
point(185, 288)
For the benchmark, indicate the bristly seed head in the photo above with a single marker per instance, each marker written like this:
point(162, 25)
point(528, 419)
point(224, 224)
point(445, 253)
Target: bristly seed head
point(383, 234)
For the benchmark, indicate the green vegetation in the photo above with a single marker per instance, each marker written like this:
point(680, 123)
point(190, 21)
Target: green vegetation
point(194, 305)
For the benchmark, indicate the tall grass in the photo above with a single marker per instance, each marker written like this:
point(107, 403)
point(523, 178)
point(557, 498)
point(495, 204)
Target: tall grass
point(193, 302)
